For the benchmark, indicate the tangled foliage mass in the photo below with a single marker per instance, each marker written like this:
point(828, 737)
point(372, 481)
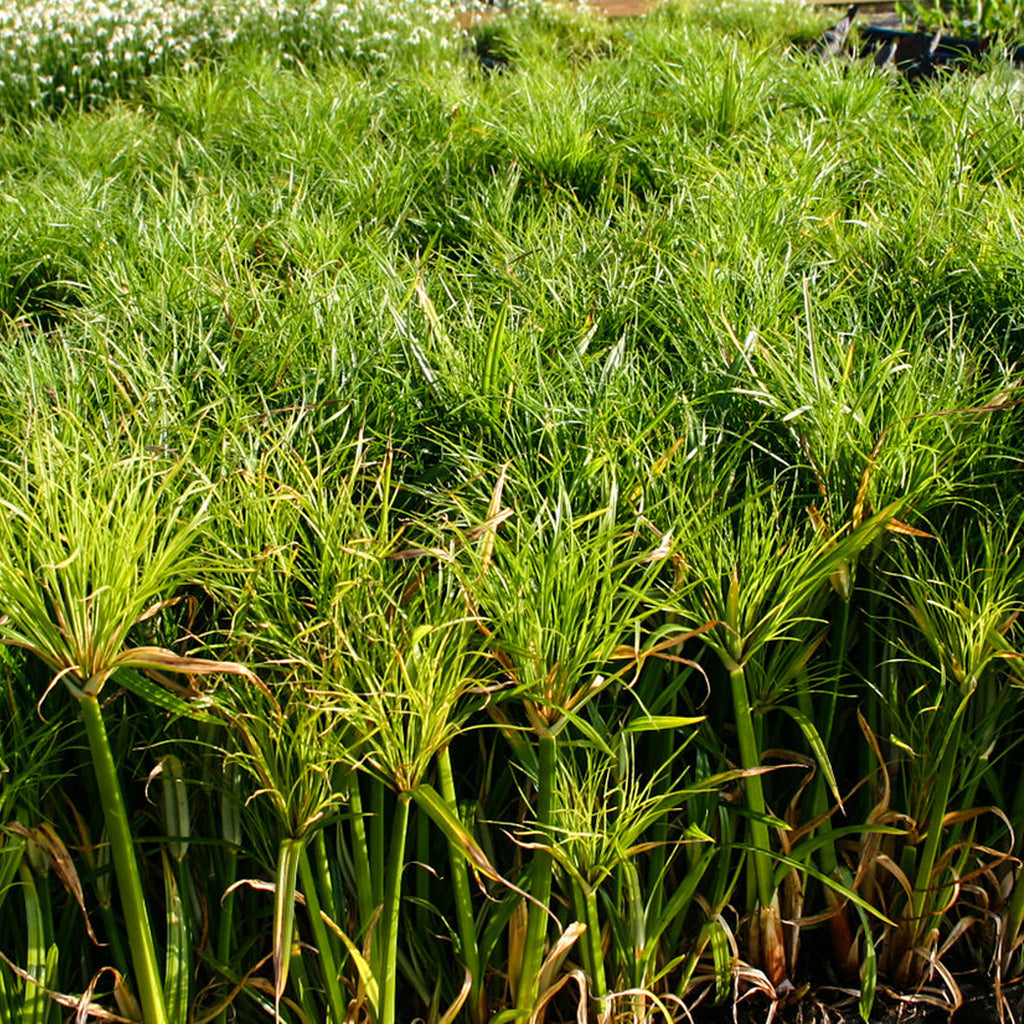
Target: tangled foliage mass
point(546, 492)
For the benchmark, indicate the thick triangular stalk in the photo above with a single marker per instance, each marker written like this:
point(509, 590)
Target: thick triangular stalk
point(464, 918)
point(126, 868)
point(328, 965)
point(388, 968)
point(540, 881)
point(766, 943)
point(750, 757)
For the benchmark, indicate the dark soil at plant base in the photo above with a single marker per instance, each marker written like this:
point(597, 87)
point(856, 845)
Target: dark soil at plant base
point(979, 1007)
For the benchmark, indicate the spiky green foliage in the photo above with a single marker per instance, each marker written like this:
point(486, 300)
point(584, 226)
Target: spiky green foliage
point(603, 459)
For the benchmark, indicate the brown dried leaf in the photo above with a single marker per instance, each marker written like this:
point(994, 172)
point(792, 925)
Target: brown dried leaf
point(553, 961)
point(895, 526)
point(157, 658)
point(71, 1002)
point(52, 846)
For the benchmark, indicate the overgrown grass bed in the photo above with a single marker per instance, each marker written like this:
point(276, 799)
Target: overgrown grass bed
point(561, 517)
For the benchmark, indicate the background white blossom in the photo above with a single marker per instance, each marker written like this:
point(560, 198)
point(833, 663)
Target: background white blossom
point(82, 52)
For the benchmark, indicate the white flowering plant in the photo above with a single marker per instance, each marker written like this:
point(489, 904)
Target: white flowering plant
point(59, 53)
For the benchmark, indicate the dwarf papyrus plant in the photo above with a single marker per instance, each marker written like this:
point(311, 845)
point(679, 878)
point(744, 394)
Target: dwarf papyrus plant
point(405, 684)
point(95, 540)
point(761, 576)
point(290, 751)
point(949, 710)
point(372, 666)
point(603, 817)
point(562, 592)
point(290, 538)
